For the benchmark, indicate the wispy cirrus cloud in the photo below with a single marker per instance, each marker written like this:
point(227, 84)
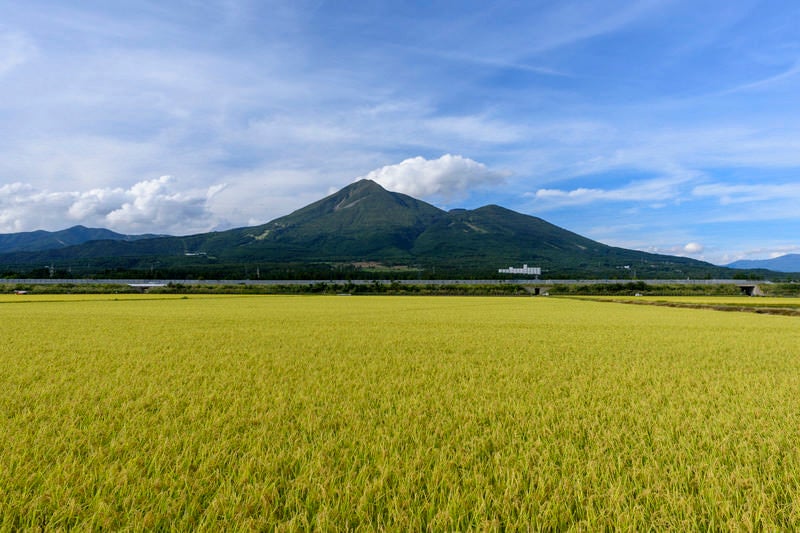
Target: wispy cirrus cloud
point(473, 128)
point(790, 72)
point(16, 48)
point(656, 190)
point(727, 194)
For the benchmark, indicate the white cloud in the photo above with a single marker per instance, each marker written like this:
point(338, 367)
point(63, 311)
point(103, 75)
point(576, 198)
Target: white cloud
point(693, 248)
point(151, 205)
point(577, 196)
point(148, 206)
point(449, 177)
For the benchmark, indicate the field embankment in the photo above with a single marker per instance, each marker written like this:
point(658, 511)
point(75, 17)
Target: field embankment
point(760, 305)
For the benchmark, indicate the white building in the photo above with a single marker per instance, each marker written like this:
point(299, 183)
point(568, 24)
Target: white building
point(530, 271)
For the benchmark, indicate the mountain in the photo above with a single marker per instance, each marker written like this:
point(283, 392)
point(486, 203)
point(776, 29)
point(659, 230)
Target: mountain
point(365, 224)
point(32, 241)
point(784, 263)
point(363, 220)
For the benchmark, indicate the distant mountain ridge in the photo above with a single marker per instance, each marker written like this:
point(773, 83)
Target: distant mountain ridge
point(365, 223)
point(34, 241)
point(784, 263)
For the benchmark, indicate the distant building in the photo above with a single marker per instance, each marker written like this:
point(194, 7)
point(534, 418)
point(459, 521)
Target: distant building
point(526, 270)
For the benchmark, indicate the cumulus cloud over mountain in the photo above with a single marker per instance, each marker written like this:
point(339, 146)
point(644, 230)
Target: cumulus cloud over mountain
point(693, 248)
point(148, 206)
point(450, 176)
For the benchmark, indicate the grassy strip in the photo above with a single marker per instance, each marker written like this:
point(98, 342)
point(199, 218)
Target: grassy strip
point(782, 289)
point(634, 288)
point(763, 309)
point(394, 288)
point(400, 289)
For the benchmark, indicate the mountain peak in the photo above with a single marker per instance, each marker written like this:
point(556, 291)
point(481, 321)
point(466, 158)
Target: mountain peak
point(32, 241)
point(783, 263)
point(366, 184)
point(361, 202)
point(357, 192)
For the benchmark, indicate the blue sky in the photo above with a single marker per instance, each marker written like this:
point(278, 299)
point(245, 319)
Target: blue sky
point(668, 126)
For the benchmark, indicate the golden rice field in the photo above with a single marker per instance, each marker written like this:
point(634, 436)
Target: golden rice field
point(396, 413)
